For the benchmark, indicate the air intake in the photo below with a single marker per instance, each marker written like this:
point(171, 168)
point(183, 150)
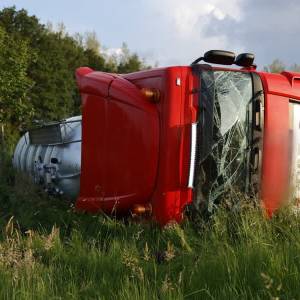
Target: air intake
point(46, 135)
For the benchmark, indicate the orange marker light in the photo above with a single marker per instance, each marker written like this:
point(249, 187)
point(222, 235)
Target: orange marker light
point(141, 209)
point(151, 94)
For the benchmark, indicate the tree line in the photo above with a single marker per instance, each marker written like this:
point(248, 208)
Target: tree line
point(37, 65)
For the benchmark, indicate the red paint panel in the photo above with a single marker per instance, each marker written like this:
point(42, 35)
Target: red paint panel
point(94, 130)
point(93, 83)
point(276, 153)
point(168, 197)
point(177, 111)
point(285, 84)
point(132, 153)
point(119, 145)
point(126, 92)
point(135, 151)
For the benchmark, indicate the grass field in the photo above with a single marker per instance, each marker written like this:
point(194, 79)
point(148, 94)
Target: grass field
point(47, 251)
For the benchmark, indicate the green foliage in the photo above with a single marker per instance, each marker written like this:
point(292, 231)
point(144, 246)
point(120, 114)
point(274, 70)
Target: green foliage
point(15, 85)
point(38, 65)
point(58, 55)
point(129, 62)
point(48, 251)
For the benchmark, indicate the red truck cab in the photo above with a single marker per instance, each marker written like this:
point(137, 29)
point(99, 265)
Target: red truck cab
point(156, 141)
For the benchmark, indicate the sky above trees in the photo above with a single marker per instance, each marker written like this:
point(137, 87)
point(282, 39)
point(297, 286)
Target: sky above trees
point(175, 31)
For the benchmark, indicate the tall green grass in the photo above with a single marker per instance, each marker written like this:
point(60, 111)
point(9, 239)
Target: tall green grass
point(48, 251)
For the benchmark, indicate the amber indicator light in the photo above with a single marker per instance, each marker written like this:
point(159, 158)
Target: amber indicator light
point(151, 94)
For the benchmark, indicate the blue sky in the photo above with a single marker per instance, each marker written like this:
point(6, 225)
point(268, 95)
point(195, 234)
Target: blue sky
point(178, 31)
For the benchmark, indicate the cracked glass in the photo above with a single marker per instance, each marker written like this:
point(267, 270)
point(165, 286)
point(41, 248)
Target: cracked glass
point(224, 134)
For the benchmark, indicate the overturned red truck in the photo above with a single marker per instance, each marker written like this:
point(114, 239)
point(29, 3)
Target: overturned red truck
point(157, 141)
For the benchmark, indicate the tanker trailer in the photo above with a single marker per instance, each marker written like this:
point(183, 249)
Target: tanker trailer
point(51, 155)
point(156, 141)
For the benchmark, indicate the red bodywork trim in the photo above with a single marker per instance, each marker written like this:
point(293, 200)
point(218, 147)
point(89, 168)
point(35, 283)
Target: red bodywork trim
point(276, 172)
point(135, 151)
point(177, 110)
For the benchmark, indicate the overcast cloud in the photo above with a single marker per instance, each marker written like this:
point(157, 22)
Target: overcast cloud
point(268, 28)
point(176, 31)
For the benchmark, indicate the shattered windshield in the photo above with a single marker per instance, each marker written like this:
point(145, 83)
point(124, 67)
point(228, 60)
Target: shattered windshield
point(223, 136)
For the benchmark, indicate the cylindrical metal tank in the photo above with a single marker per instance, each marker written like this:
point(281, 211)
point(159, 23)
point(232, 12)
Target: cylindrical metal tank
point(51, 155)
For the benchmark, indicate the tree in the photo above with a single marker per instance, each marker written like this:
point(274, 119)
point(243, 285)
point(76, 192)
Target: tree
point(52, 71)
point(15, 106)
point(91, 42)
point(129, 62)
point(61, 29)
point(54, 57)
point(295, 68)
point(277, 66)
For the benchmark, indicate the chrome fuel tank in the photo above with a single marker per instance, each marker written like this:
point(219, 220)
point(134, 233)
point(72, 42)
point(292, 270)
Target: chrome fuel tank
point(51, 155)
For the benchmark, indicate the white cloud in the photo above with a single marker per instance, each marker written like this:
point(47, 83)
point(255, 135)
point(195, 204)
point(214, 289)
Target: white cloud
point(189, 14)
point(180, 27)
point(267, 28)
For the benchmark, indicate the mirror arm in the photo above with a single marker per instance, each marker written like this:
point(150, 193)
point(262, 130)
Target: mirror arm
point(197, 60)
